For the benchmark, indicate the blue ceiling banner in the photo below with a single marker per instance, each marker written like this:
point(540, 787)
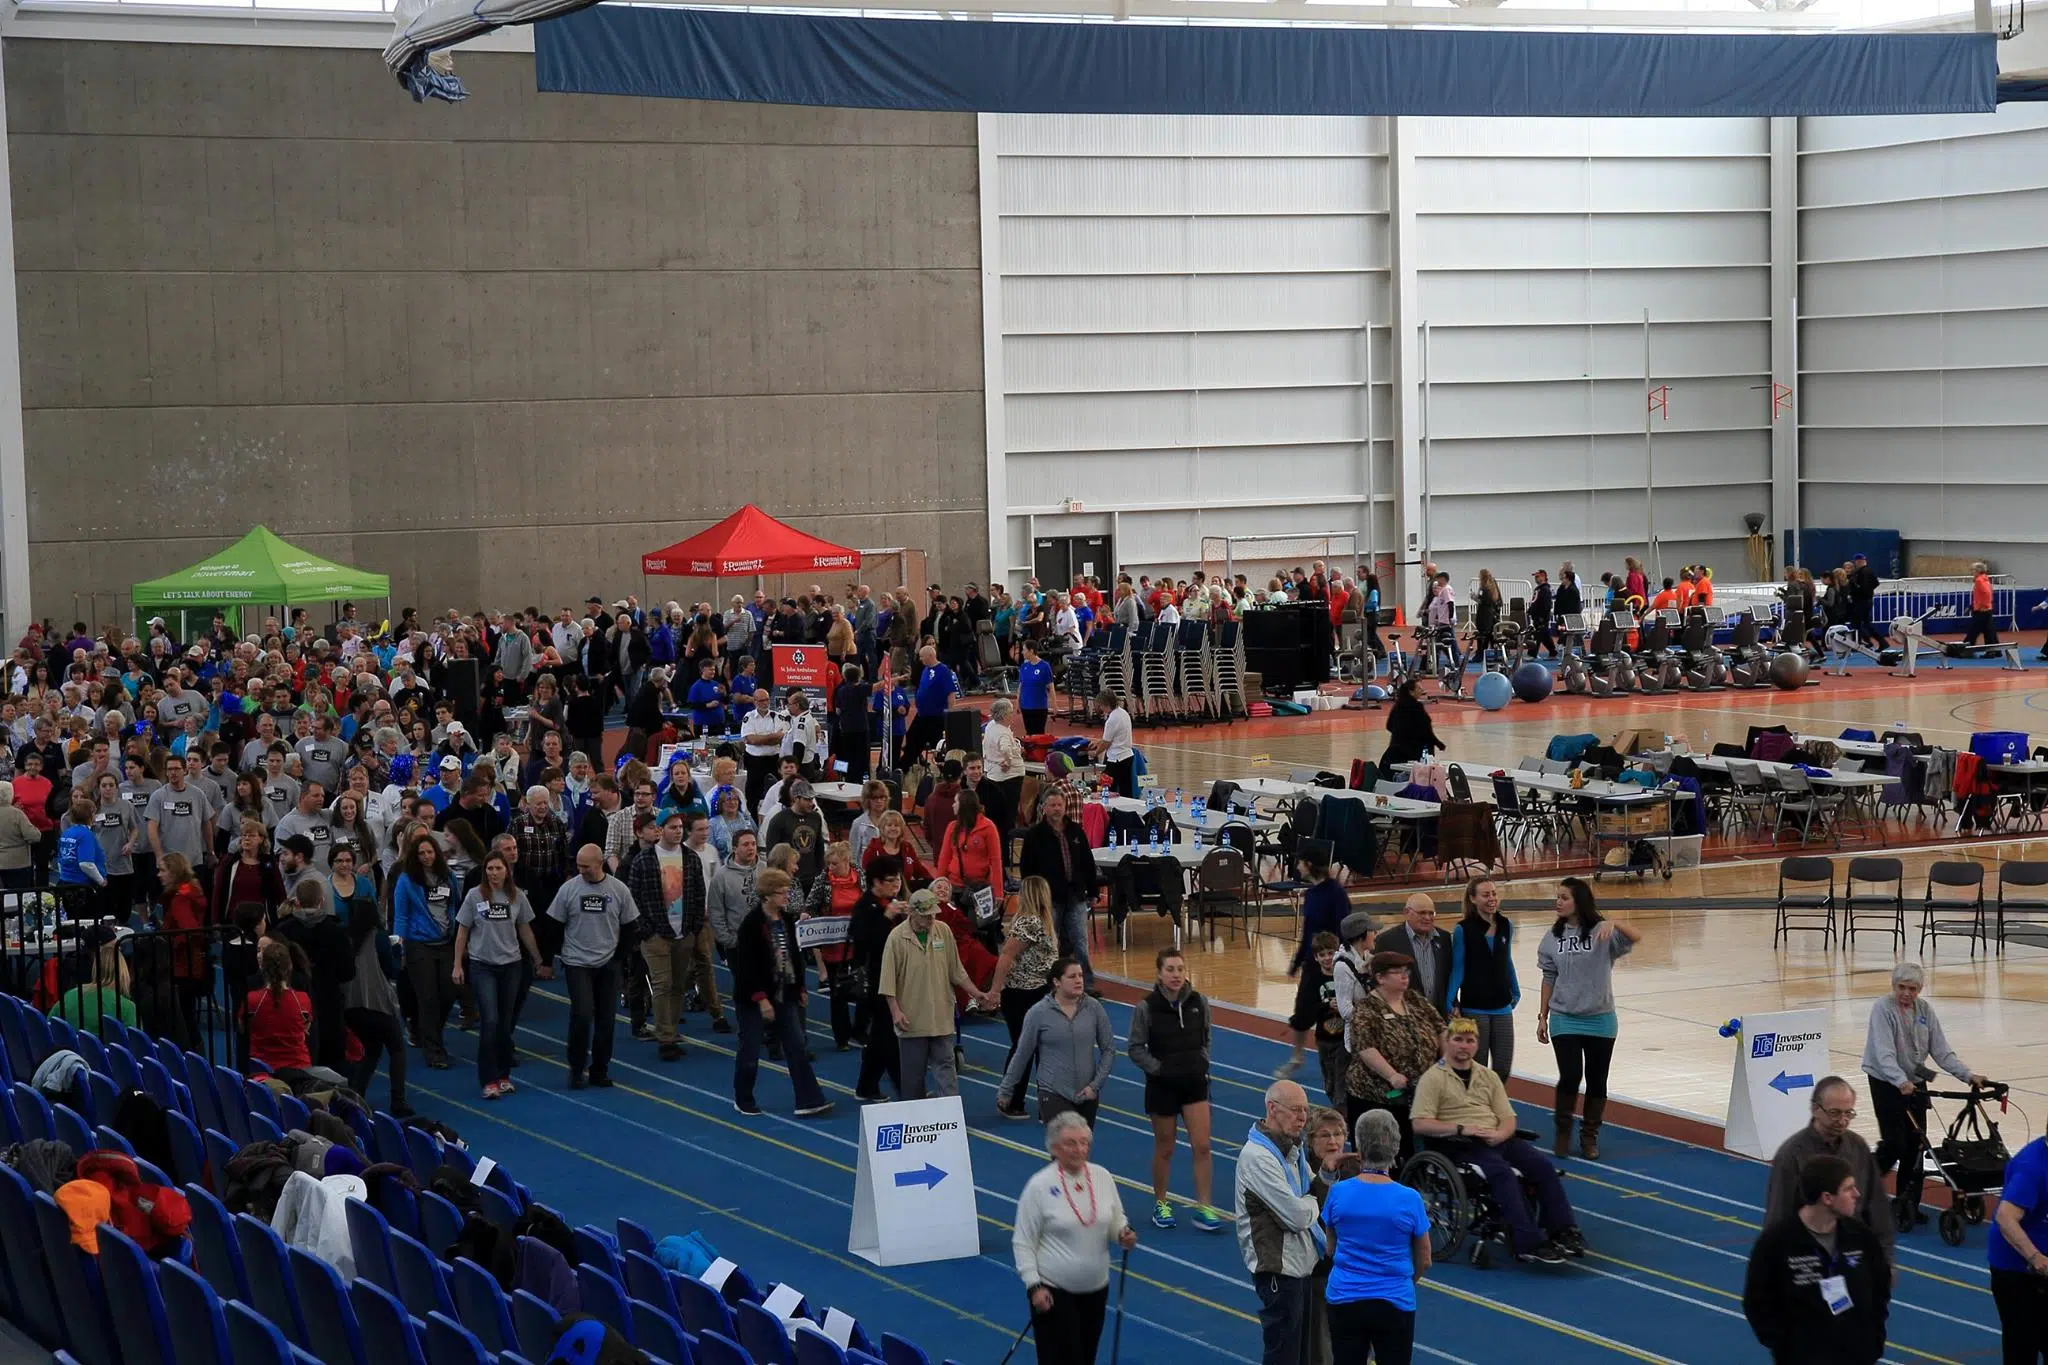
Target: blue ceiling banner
point(1160, 69)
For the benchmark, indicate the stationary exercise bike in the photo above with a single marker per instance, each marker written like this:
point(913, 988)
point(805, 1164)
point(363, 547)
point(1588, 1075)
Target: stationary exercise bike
point(1701, 664)
point(1749, 663)
point(1657, 666)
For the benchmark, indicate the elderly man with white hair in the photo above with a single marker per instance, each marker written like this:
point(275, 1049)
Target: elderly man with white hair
point(1904, 1036)
point(1278, 1231)
point(1067, 1216)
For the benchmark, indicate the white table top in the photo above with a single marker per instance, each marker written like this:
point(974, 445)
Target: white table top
point(836, 791)
point(1210, 823)
point(2028, 767)
point(1108, 856)
point(1558, 783)
point(1854, 748)
point(1718, 763)
point(1392, 807)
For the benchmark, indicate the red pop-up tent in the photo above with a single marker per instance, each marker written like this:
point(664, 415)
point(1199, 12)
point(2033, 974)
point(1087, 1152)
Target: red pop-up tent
point(746, 543)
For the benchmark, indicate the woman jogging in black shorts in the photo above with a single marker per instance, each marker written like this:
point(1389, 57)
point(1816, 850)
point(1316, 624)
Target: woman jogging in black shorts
point(1170, 1043)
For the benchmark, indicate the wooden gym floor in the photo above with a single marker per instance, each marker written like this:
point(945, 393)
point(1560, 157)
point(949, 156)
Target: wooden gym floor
point(1706, 953)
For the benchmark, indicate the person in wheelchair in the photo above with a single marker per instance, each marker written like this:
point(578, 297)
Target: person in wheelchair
point(1463, 1109)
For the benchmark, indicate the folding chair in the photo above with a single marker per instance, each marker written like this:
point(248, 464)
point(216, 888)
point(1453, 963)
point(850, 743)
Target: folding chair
point(71, 1129)
point(1962, 889)
point(1885, 906)
point(34, 1113)
point(1223, 889)
point(1801, 906)
point(2023, 896)
point(233, 1099)
point(1808, 803)
point(198, 1329)
point(121, 1065)
point(813, 1347)
point(440, 1222)
point(715, 1348)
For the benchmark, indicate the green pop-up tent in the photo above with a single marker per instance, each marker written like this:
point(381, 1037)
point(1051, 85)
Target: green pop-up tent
point(260, 567)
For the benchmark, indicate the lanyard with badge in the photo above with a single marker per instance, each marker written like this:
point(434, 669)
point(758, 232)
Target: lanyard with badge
point(1834, 1286)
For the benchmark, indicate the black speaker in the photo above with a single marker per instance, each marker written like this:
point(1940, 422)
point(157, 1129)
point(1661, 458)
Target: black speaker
point(463, 680)
point(1288, 646)
point(963, 730)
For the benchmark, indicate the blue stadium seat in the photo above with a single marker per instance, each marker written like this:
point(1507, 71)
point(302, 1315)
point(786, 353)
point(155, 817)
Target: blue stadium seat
point(220, 1150)
point(423, 1154)
point(36, 1306)
point(646, 1279)
point(155, 1081)
point(360, 1119)
point(534, 1322)
point(33, 1111)
point(292, 1112)
point(714, 1348)
point(95, 1053)
point(233, 1099)
point(389, 1334)
point(480, 1305)
point(593, 1247)
point(635, 1237)
point(369, 1239)
point(897, 1351)
point(215, 1246)
point(21, 1059)
point(391, 1142)
point(101, 1099)
point(62, 1036)
point(37, 1025)
point(763, 1334)
point(74, 1278)
point(106, 1139)
point(813, 1347)
point(262, 1100)
point(141, 1327)
point(659, 1334)
point(262, 1129)
point(254, 1340)
point(740, 1287)
point(440, 1222)
point(498, 1208)
point(188, 1152)
point(702, 1308)
point(604, 1298)
point(422, 1286)
point(400, 1207)
point(331, 1331)
point(193, 1070)
point(270, 1276)
point(199, 1330)
point(71, 1129)
point(122, 1066)
point(7, 1115)
point(449, 1343)
point(513, 1357)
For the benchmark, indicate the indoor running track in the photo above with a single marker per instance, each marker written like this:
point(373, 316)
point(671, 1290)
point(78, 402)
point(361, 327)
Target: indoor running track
point(1670, 1225)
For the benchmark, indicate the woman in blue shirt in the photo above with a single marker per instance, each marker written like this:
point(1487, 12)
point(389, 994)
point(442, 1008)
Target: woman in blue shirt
point(1034, 689)
point(1379, 1249)
point(2019, 1254)
point(1482, 987)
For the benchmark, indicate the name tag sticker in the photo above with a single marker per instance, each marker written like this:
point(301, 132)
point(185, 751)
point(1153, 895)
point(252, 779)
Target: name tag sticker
point(1834, 1291)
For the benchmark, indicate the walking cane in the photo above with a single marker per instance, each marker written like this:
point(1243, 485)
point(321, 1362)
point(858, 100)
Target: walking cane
point(1021, 1333)
point(1116, 1340)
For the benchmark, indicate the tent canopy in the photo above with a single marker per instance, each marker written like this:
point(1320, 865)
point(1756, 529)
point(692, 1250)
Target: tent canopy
point(261, 567)
point(748, 542)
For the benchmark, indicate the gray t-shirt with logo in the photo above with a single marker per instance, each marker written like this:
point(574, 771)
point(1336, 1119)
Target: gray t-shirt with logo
point(183, 820)
point(494, 926)
point(280, 798)
point(320, 761)
point(172, 712)
point(593, 913)
point(316, 827)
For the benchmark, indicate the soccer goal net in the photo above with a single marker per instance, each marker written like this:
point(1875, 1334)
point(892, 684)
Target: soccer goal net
point(1262, 557)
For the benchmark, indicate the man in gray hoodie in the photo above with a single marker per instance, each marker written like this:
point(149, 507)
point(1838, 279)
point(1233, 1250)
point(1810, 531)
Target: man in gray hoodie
point(732, 891)
point(514, 656)
point(1277, 1231)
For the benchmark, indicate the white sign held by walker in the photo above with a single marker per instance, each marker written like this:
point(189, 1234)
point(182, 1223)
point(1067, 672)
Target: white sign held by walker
point(1778, 1057)
point(913, 1196)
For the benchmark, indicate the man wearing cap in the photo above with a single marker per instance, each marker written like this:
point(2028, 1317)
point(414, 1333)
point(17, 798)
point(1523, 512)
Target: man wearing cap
point(294, 862)
point(596, 912)
point(799, 825)
point(1419, 938)
point(443, 793)
point(920, 971)
point(762, 734)
point(1465, 1108)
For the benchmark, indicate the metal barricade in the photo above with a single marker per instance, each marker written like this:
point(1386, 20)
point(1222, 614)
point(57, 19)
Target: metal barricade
point(1948, 599)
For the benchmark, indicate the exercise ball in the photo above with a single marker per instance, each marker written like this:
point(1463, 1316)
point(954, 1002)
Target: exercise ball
point(1492, 691)
point(1532, 681)
point(1374, 692)
point(1788, 672)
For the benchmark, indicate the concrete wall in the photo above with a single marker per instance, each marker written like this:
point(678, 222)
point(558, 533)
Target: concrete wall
point(496, 350)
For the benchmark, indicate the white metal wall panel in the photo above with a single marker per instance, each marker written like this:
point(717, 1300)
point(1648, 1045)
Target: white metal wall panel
point(1180, 309)
point(1922, 345)
point(1539, 245)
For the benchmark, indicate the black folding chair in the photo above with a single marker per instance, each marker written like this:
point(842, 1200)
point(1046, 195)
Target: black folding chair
point(1962, 887)
point(1806, 899)
point(2023, 899)
point(1883, 906)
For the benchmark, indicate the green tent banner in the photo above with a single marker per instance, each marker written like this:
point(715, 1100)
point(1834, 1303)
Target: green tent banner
point(261, 567)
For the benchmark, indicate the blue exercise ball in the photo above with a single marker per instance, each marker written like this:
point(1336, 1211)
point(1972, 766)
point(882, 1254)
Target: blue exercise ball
point(1492, 691)
point(1374, 692)
point(1532, 681)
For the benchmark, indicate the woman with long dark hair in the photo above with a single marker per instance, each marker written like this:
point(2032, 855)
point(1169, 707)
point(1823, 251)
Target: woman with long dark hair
point(1482, 987)
point(1409, 733)
point(1577, 1016)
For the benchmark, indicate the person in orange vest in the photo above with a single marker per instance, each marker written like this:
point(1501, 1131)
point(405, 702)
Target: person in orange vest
point(1666, 600)
point(1981, 621)
point(1686, 591)
point(1703, 585)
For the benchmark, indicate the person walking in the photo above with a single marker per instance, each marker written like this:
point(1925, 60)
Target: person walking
point(1904, 1035)
point(423, 904)
point(494, 947)
point(920, 971)
point(1483, 987)
point(768, 993)
point(1379, 1252)
point(1067, 1034)
point(1279, 1232)
point(2018, 1254)
point(1828, 1134)
point(1395, 1036)
point(1324, 908)
point(1576, 1016)
point(1067, 1216)
point(1170, 1044)
point(668, 884)
point(1056, 848)
point(595, 910)
point(369, 1002)
point(1818, 1287)
point(1023, 971)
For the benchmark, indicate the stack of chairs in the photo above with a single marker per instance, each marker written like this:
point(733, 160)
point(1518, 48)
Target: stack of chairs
point(1193, 675)
point(1114, 667)
point(1226, 663)
point(1152, 673)
point(244, 1298)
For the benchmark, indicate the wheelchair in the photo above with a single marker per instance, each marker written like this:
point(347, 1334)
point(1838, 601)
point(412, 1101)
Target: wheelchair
point(1459, 1200)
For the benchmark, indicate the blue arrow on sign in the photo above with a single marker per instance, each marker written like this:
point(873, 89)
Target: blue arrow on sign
point(1781, 1083)
point(932, 1175)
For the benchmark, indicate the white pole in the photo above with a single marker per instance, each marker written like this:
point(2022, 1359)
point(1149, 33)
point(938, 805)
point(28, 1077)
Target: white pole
point(1428, 524)
point(1650, 468)
point(1371, 496)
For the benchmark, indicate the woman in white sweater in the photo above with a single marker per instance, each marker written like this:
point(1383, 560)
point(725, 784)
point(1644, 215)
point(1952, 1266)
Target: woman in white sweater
point(1067, 1216)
